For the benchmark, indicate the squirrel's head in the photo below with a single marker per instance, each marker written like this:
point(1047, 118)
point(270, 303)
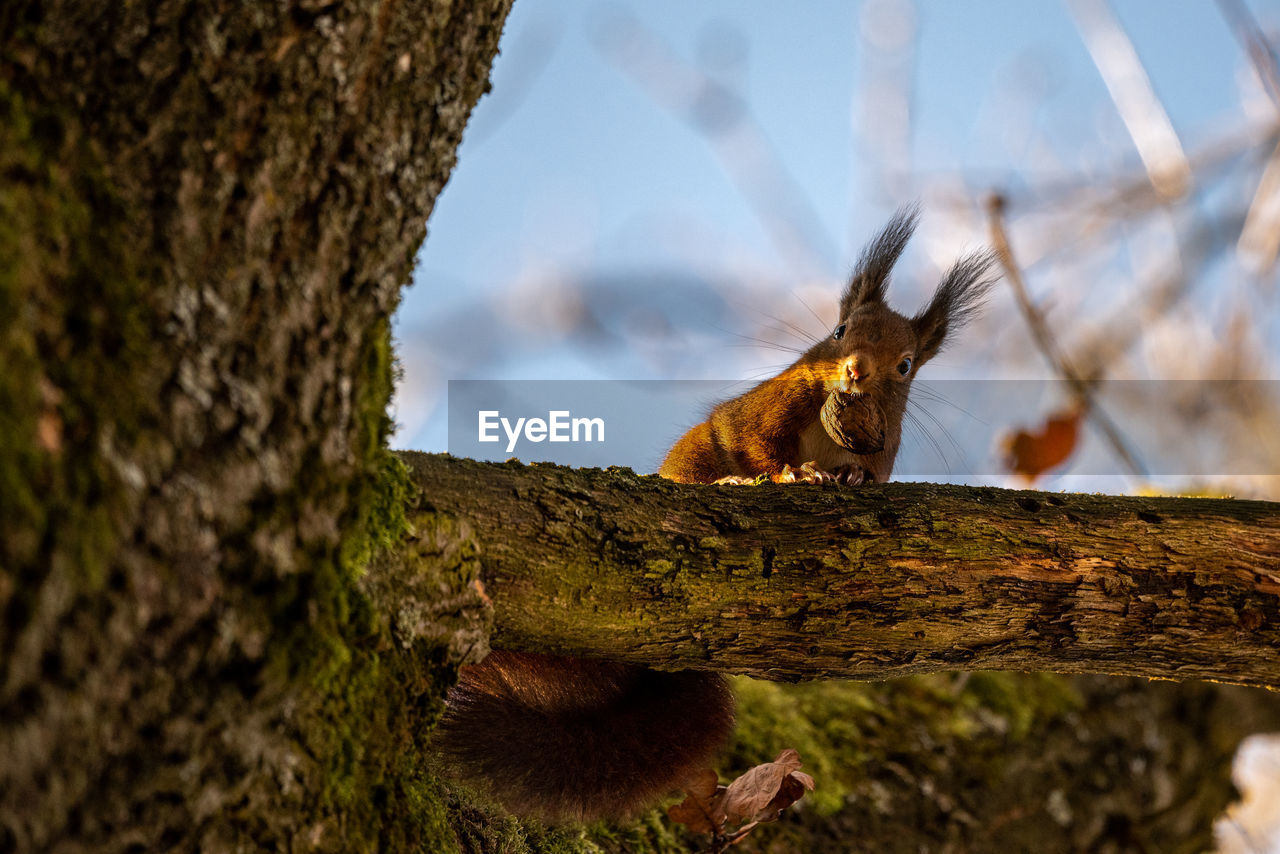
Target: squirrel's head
point(875, 349)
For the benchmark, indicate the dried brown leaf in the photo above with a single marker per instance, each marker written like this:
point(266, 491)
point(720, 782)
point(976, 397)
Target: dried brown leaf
point(793, 787)
point(701, 811)
point(1031, 454)
point(703, 783)
point(692, 813)
point(789, 759)
point(765, 790)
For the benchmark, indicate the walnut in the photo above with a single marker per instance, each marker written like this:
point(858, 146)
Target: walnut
point(855, 422)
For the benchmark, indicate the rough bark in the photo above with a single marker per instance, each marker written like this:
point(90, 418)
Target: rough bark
point(792, 582)
point(207, 211)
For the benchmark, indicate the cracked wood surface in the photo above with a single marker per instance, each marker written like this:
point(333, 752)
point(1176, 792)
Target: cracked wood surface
point(789, 582)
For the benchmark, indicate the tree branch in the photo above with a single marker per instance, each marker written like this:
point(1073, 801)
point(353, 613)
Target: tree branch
point(792, 582)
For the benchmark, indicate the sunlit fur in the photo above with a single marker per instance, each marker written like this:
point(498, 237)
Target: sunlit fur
point(777, 423)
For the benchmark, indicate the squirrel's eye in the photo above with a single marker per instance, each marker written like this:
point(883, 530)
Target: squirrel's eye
point(839, 332)
point(904, 367)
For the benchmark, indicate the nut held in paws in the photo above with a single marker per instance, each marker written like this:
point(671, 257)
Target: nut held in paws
point(854, 422)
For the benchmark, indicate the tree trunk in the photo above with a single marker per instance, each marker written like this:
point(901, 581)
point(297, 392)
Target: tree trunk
point(207, 211)
point(798, 582)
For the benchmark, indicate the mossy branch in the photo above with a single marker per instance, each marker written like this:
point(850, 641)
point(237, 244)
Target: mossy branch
point(796, 582)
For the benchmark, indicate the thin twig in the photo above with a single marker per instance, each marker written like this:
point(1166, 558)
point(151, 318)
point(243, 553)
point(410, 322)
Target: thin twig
point(1258, 238)
point(1255, 44)
point(741, 833)
point(1081, 387)
point(1259, 242)
point(1140, 109)
point(1115, 190)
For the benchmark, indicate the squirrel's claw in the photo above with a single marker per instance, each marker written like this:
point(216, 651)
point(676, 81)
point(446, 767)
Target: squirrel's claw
point(806, 473)
point(853, 475)
point(850, 475)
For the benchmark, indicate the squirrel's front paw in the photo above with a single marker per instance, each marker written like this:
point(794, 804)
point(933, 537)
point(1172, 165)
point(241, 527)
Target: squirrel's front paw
point(853, 475)
point(806, 473)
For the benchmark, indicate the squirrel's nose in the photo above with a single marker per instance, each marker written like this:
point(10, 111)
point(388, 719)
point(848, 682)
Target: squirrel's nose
point(857, 369)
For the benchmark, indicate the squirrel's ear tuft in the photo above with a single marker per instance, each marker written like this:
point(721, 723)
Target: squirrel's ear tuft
point(957, 300)
point(871, 276)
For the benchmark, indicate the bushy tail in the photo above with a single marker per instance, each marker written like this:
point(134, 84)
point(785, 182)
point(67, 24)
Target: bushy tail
point(564, 738)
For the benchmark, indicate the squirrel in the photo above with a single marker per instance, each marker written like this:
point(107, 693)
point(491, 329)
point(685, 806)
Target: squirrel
point(565, 739)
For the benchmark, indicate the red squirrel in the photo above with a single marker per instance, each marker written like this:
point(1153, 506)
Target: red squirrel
point(573, 739)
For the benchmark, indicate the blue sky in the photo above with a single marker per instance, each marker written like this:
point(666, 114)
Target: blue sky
point(584, 132)
point(572, 169)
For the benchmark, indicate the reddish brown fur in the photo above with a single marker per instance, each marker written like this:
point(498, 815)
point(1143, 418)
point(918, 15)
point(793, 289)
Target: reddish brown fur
point(777, 423)
point(570, 739)
point(564, 738)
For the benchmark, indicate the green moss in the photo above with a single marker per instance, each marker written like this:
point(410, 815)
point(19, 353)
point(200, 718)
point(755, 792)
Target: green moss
point(848, 733)
point(482, 828)
point(377, 700)
point(825, 721)
point(658, 568)
point(1026, 701)
point(68, 286)
point(365, 703)
point(380, 509)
